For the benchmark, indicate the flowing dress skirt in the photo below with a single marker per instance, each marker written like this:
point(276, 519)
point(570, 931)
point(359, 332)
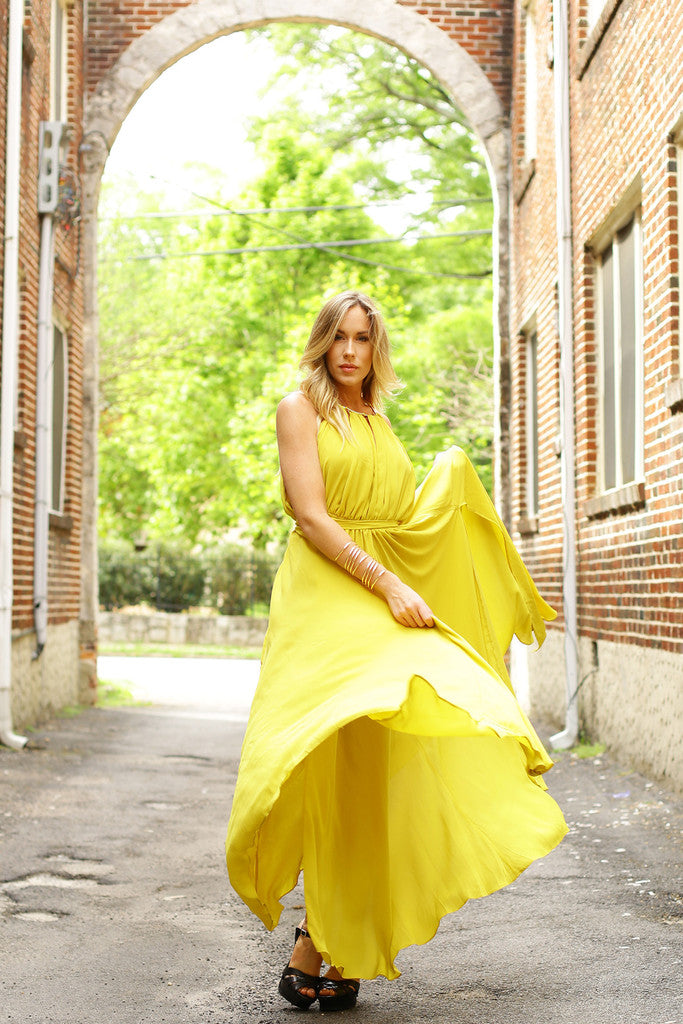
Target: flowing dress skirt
point(392, 765)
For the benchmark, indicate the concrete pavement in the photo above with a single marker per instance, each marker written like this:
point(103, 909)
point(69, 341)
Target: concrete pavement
point(115, 905)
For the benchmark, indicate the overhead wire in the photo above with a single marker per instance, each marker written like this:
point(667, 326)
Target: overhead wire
point(227, 212)
point(309, 245)
point(328, 247)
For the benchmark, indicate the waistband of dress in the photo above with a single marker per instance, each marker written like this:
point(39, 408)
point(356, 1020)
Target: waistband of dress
point(360, 524)
point(367, 524)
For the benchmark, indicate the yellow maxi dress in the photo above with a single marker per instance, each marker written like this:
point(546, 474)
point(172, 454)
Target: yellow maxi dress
point(393, 765)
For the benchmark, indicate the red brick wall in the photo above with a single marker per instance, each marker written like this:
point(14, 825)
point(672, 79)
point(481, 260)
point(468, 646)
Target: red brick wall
point(533, 294)
point(64, 553)
point(625, 101)
point(482, 27)
point(624, 107)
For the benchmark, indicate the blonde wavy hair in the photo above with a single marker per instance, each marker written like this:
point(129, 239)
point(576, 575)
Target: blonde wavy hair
point(381, 382)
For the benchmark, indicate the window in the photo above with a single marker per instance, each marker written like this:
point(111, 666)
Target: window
point(58, 61)
point(530, 83)
point(60, 391)
point(619, 325)
point(531, 424)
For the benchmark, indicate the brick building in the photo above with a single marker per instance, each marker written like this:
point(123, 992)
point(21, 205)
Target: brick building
point(596, 297)
point(41, 93)
point(626, 135)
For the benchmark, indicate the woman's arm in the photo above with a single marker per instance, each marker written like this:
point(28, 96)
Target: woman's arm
point(297, 431)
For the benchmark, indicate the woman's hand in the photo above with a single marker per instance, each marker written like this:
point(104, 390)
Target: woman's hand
point(405, 604)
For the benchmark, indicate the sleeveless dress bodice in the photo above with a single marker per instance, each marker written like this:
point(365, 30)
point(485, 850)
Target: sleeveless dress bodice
point(370, 481)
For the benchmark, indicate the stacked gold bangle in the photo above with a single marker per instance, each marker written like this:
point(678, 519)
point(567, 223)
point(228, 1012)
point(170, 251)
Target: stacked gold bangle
point(360, 564)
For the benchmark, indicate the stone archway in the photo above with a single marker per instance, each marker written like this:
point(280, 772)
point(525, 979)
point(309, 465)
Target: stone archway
point(183, 31)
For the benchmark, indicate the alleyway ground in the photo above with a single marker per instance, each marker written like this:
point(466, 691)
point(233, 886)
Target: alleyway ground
point(115, 906)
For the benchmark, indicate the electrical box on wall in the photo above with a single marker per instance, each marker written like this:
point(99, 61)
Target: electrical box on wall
point(49, 161)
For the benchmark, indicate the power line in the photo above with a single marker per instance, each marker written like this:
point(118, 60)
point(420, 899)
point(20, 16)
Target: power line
point(350, 242)
point(335, 254)
point(225, 212)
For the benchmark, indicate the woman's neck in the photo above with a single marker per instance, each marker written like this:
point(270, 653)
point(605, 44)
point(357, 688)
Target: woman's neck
point(354, 401)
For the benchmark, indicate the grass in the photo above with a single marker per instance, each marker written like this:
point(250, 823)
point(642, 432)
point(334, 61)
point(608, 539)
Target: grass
point(584, 749)
point(70, 710)
point(114, 695)
point(109, 695)
point(147, 650)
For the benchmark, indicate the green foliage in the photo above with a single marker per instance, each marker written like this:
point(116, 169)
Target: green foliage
point(197, 349)
point(148, 650)
point(230, 578)
point(239, 579)
point(448, 377)
point(585, 750)
point(114, 695)
point(164, 576)
point(123, 579)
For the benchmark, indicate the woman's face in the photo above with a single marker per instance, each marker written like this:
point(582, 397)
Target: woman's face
point(349, 358)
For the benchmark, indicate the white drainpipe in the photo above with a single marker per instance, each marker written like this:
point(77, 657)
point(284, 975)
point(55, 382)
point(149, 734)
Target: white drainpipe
point(569, 735)
point(48, 198)
point(44, 357)
point(10, 351)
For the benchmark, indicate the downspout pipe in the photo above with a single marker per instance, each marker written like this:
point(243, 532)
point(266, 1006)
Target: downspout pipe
point(48, 198)
point(43, 432)
point(10, 354)
point(569, 735)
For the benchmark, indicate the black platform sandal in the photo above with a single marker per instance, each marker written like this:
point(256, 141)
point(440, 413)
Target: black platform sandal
point(345, 994)
point(293, 980)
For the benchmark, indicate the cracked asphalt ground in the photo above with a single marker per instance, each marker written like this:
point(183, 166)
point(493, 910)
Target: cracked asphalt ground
point(115, 904)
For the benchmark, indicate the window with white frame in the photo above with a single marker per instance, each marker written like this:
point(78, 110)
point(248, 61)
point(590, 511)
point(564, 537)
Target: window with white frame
point(60, 391)
point(530, 83)
point(531, 421)
point(620, 339)
point(58, 61)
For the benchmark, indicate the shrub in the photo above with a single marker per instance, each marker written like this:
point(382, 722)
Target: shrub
point(230, 578)
point(238, 579)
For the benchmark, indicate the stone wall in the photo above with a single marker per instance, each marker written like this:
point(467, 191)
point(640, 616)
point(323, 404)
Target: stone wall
point(630, 698)
point(178, 628)
point(43, 685)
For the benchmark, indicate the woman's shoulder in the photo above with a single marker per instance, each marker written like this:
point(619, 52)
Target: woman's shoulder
point(296, 411)
point(296, 403)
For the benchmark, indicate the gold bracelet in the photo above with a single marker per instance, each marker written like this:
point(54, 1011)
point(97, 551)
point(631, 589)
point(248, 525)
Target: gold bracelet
point(347, 545)
point(360, 565)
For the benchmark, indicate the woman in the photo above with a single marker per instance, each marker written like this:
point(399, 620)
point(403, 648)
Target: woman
point(385, 755)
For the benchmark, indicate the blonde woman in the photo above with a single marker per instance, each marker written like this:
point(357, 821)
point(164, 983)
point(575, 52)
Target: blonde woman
point(386, 756)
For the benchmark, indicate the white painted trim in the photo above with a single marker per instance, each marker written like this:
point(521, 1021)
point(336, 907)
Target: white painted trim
point(531, 406)
point(60, 8)
point(594, 9)
point(58, 324)
point(530, 83)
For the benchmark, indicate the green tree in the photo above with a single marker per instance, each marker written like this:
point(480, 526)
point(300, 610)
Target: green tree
point(200, 342)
